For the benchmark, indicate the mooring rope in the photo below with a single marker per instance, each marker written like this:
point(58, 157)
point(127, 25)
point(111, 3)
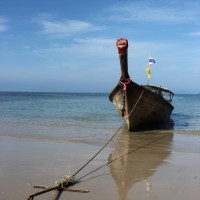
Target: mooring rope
point(124, 84)
point(69, 181)
point(111, 137)
point(129, 152)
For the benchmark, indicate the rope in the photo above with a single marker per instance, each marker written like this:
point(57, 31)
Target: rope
point(68, 181)
point(111, 137)
point(124, 84)
point(129, 152)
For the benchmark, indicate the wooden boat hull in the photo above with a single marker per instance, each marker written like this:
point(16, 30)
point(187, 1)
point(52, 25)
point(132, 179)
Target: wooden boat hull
point(142, 105)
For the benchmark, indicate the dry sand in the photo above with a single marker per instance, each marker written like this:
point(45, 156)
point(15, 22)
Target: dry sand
point(166, 169)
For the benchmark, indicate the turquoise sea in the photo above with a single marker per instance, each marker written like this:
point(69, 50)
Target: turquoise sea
point(78, 116)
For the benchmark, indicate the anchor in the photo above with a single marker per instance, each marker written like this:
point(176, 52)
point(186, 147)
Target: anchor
point(61, 185)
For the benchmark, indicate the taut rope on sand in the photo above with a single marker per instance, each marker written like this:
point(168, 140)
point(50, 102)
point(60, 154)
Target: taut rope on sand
point(67, 181)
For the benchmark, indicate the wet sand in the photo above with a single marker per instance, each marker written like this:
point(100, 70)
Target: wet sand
point(146, 165)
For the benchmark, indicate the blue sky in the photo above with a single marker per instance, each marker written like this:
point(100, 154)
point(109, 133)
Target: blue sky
point(69, 46)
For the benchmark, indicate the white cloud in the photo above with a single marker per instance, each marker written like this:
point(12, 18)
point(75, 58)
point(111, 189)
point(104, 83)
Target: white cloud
point(194, 33)
point(3, 26)
point(68, 26)
point(173, 12)
point(96, 41)
point(82, 47)
point(65, 27)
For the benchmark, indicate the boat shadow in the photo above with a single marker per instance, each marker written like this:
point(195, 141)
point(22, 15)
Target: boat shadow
point(165, 125)
point(136, 157)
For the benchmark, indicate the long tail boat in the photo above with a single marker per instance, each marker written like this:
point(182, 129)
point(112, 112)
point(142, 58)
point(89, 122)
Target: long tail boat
point(139, 104)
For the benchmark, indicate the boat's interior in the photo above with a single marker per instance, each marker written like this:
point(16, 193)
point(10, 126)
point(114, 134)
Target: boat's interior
point(164, 92)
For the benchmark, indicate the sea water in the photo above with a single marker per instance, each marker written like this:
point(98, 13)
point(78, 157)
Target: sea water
point(78, 116)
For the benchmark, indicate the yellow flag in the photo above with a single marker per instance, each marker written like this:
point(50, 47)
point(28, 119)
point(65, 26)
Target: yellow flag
point(148, 72)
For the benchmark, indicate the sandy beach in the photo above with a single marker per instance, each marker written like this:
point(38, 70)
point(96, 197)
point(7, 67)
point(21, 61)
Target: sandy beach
point(167, 168)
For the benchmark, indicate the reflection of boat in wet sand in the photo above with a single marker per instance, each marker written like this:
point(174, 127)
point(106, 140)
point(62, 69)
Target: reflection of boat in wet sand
point(130, 166)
